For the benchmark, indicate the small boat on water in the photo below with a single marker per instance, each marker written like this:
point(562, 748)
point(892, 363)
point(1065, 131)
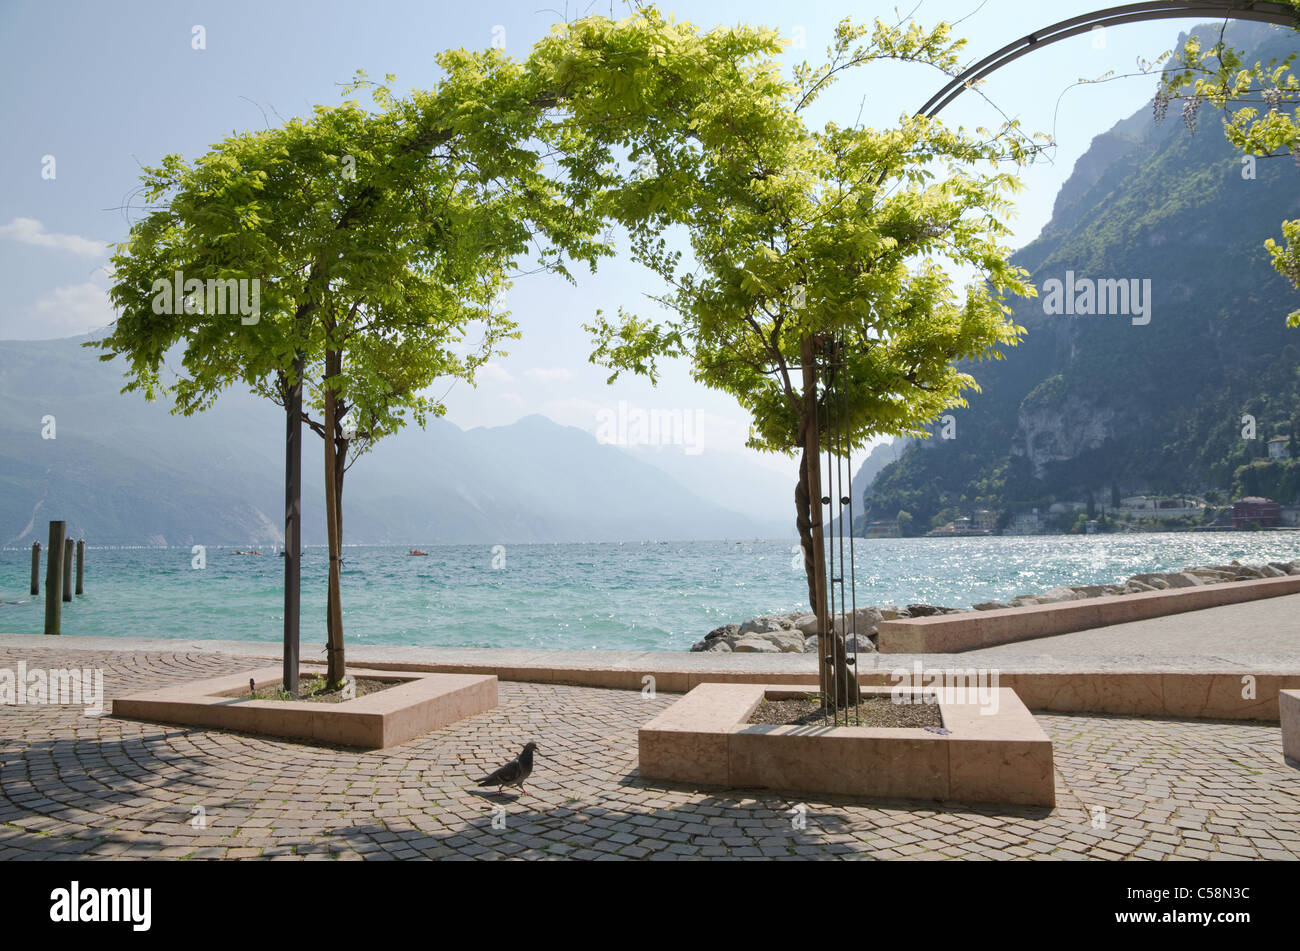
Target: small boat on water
point(416, 551)
point(245, 552)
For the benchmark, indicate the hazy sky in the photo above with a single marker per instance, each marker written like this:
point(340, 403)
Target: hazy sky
point(104, 88)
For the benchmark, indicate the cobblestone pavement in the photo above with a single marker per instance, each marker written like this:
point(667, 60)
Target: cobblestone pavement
point(73, 786)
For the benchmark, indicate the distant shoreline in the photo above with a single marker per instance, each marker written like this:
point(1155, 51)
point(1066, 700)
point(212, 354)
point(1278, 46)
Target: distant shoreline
point(275, 546)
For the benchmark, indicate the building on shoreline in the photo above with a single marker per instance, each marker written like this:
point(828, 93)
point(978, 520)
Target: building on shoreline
point(1265, 512)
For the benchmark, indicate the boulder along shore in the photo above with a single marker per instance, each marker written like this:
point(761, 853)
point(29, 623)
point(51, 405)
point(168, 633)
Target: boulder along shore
point(796, 632)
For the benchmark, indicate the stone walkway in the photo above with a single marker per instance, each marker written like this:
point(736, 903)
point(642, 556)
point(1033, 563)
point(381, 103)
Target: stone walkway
point(72, 786)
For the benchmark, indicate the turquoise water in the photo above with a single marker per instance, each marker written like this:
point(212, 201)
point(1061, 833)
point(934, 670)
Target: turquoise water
point(578, 596)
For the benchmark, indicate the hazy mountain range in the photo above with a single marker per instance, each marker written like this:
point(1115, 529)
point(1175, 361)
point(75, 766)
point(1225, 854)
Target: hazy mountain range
point(125, 471)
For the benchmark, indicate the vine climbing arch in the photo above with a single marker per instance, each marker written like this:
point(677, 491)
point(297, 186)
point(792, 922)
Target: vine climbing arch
point(1280, 14)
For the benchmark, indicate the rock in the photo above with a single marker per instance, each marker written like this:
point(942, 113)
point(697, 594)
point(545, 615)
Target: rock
point(1270, 571)
point(929, 610)
point(753, 644)
point(1181, 579)
point(727, 630)
point(772, 642)
point(864, 621)
point(810, 644)
point(1151, 580)
point(869, 619)
point(1056, 595)
point(1133, 587)
point(892, 612)
point(991, 606)
point(806, 624)
point(718, 645)
point(861, 644)
point(1237, 571)
point(788, 642)
point(761, 625)
point(1094, 590)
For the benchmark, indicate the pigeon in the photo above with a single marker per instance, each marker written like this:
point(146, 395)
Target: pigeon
point(514, 773)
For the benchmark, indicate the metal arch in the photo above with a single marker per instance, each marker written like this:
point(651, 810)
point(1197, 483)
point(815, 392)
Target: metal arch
point(1263, 12)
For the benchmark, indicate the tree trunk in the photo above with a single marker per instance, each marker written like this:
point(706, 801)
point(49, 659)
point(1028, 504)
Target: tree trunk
point(834, 676)
point(333, 522)
point(804, 514)
point(340, 460)
point(292, 524)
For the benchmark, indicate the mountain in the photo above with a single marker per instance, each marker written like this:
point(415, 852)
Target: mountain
point(124, 471)
point(1092, 406)
point(730, 480)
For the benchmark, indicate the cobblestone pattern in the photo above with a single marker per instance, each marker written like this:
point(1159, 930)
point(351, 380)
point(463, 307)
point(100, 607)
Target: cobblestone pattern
point(73, 786)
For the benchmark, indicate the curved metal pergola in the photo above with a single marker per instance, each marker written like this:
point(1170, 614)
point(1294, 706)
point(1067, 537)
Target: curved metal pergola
point(1277, 13)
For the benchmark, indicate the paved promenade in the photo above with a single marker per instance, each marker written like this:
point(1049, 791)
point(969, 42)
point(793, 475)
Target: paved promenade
point(1250, 633)
point(72, 786)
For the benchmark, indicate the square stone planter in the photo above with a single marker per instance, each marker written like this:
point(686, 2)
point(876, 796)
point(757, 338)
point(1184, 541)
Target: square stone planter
point(1288, 708)
point(705, 738)
point(419, 702)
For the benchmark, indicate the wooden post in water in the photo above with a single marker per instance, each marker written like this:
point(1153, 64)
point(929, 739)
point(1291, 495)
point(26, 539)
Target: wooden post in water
point(54, 577)
point(36, 568)
point(81, 565)
point(67, 569)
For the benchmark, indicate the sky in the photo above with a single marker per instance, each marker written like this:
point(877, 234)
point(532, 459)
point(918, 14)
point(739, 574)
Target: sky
point(94, 91)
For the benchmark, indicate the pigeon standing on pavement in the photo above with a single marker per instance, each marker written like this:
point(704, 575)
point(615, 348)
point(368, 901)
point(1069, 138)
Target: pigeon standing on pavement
point(514, 772)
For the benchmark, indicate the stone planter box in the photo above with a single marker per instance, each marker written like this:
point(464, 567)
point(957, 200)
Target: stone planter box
point(705, 738)
point(419, 703)
point(1288, 708)
point(971, 630)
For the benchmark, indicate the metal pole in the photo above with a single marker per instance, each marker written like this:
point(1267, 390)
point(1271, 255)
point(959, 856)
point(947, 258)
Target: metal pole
point(828, 373)
point(54, 577)
point(853, 573)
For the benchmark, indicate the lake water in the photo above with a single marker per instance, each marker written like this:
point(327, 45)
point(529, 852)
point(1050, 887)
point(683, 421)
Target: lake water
point(630, 596)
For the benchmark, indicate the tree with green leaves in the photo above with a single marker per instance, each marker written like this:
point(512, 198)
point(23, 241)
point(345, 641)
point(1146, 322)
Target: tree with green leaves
point(835, 236)
point(377, 241)
point(1260, 104)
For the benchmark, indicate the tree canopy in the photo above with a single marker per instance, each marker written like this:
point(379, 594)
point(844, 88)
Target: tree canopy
point(795, 231)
